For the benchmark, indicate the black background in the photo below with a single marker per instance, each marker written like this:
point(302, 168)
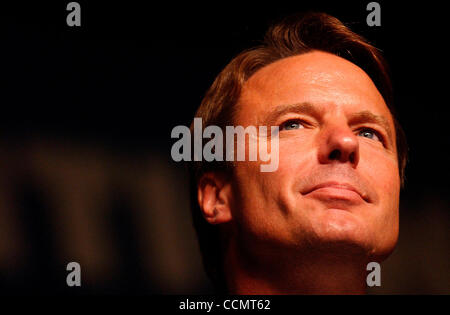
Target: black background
point(133, 71)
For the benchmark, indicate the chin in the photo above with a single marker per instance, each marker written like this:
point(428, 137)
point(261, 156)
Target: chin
point(341, 228)
point(383, 249)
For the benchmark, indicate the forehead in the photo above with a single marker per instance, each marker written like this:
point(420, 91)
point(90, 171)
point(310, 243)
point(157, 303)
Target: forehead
point(322, 79)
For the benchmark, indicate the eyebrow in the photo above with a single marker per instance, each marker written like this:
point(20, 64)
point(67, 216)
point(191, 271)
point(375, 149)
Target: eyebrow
point(311, 110)
point(299, 108)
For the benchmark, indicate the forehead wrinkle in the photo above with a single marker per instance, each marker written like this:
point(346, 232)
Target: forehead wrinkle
point(324, 74)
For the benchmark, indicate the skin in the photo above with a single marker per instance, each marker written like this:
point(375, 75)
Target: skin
point(286, 234)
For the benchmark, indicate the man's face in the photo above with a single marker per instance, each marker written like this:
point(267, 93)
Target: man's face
point(337, 180)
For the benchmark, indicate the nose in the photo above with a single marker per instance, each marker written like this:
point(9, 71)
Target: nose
point(339, 144)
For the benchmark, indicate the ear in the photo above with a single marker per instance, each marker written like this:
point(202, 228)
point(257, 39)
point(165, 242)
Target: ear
point(214, 197)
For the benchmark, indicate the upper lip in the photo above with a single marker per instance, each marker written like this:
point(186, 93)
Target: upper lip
point(338, 185)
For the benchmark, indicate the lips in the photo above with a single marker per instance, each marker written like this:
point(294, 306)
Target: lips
point(337, 190)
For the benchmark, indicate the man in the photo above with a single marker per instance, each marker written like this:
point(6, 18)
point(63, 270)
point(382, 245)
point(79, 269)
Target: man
point(331, 207)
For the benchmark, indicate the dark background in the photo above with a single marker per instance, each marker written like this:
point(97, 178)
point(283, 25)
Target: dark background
point(86, 116)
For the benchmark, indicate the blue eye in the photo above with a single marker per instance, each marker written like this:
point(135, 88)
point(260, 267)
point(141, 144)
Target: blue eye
point(291, 125)
point(369, 133)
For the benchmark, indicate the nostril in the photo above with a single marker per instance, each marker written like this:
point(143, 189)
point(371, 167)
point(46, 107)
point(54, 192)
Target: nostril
point(352, 157)
point(335, 155)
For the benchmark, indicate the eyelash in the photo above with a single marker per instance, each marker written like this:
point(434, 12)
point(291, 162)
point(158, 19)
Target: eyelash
point(302, 122)
point(290, 121)
point(378, 134)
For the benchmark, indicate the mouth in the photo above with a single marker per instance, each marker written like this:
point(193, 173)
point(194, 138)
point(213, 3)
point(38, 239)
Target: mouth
point(337, 191)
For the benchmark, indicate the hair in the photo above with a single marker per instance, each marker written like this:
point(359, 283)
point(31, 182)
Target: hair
point(295, 35)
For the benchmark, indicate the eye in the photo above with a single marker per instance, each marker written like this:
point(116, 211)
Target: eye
point(291, 125)
point(370, 133)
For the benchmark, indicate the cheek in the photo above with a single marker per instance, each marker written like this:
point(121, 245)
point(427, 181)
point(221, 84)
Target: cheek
point(265, 199)
point(256, 211)
point(381, 170)
point(297, 158)
point(254, 191)
point(281, 188)
point(293, 160)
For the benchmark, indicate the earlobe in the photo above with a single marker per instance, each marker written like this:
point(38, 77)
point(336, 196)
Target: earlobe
point(214, 195)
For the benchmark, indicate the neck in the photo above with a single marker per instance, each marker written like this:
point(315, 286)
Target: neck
point(326, 271)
